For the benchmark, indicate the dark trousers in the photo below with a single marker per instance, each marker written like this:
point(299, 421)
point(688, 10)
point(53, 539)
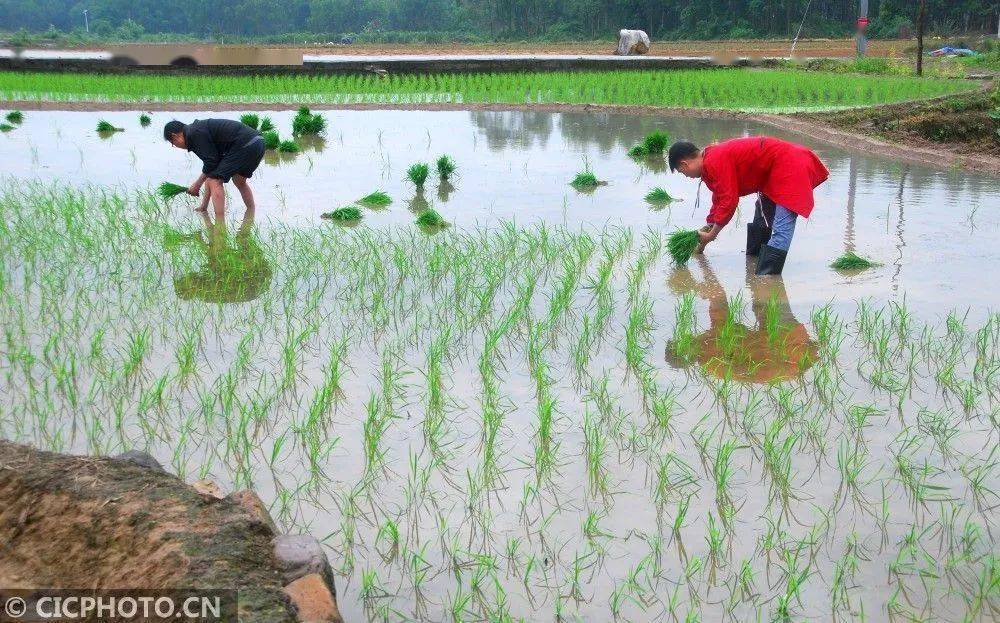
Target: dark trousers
point(759, 231)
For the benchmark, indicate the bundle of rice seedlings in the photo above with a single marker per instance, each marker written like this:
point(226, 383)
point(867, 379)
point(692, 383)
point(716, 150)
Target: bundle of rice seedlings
point(417, 173)
point(266, 125)
point(658, 195)
point(16, 117)
point(344, 215)
point(852, 261)
point(169, 190)
point(638, 152)
point(656, 142)
point(6, 127)
point(103, 127)
point(431, 218)
point(250, 119)
point(288, 147)
point(682, 244)
point(145, 120)
point(307, 123)
point(377, 199)
point(586, 179)
point(271, 139)
point(445, 167)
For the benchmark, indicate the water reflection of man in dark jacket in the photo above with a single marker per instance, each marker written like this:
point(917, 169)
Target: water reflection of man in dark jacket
point(751, 355)
point(236, 270)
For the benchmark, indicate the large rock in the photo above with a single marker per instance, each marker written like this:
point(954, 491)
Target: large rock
point(632, 42)
point(298, 555)
point(313, 600)
point(141, 458)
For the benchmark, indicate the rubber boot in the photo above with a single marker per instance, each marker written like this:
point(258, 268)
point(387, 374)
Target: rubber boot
point(757, 235)
point(770, 261)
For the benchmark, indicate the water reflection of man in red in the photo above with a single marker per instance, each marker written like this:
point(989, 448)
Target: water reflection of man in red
point(777, 348)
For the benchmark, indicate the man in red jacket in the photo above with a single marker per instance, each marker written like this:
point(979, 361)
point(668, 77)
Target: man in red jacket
point(783, 173)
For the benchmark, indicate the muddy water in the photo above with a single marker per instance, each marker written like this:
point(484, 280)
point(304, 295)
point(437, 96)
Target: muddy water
point(936, 233)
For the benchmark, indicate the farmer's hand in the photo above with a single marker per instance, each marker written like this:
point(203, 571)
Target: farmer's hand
point(194, 189)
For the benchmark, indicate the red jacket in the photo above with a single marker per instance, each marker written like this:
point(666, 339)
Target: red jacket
point(784, 172)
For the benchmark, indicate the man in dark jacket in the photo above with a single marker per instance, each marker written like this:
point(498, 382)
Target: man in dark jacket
point(229, 150)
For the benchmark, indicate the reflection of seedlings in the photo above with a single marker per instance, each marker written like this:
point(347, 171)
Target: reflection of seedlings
point(348, 214)
point(145, 120)
point(288, 147)
point(271, 139)
point(417, 173)
point(169, 190)
point(445, 188)
point(658, 196)
point(682, 244)
point(445, 167)
point(104, 127)
point(16, 117)
point(418, 204)
point(852, 261)
point(312, 142)
point(377, 199)
point(250, 119)
point(431, 218)
point(266, 125)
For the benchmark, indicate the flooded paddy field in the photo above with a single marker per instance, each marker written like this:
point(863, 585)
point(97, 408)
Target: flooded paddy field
point(532, 413)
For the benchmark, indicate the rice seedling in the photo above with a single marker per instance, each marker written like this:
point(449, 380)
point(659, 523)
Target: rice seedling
point(6, 127)
point(145, 120)
point(445, 167)
point(305, 122)
point(266, 125)
point(682, 244)
point(586, 180)
point(431, 218)
point(659, 196)
point(347, 214)
point(288, 147)
point(271, 139)
point(377, 199)
point(653, 145)
point(15, 117)
point(852, 261)
point(417, 173)
point(250, 119)
point(169, 190)
point(105, 127)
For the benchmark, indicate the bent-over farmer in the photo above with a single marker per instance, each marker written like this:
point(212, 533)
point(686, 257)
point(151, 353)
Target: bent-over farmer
point(783, 173)
point(229, 150)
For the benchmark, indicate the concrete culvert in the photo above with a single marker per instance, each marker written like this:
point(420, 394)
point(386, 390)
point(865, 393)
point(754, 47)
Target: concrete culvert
point(122, 523)
point(184, 61)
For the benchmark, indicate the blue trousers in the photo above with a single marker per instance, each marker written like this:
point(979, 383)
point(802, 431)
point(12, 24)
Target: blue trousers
point(783, 228)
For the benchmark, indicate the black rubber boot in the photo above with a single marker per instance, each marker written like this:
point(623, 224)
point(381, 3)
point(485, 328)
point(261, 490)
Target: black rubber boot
point(759, 231)
point(771, 261)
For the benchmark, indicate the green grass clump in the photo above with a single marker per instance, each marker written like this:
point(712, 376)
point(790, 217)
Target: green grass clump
point(271, 139)
point(288, 147)
point(656, 142)
point(377, 199)
point(16, 117)
point(344, 215)
point(658, 195)
point(586, 179)
point(145, 120)
point(6, 127)
point(104, 127)
point(431, 218)
point(852, 261)
point(417, 173)
point(445, 167)
point(169, 190)
point(682, 244)
point(638, 152)
point(266, 125)
point(251, 120)
point(307, 123)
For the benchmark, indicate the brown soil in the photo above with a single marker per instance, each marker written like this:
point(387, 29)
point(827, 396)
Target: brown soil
point(842, 129)
point(98, 523)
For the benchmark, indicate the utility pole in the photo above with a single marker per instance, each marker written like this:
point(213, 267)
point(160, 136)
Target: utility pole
point(86, 21)
point(921, 14)
point(862, 25)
